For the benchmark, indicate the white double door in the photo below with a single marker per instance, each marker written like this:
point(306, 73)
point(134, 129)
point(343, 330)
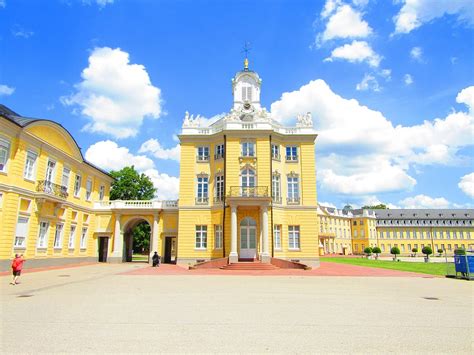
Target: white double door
point(248, 242)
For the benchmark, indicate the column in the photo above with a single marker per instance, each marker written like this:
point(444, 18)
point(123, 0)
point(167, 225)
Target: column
point(233, 256)
point(118, 240)
point(155, 237)
point(265, 255)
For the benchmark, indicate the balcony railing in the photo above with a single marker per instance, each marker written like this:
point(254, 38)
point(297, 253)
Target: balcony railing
point(202, 200)
point(202, 158)
point(135, 204)
point(218, 199)
point(277, 200)
point(245, 191)
point(293, 200)
point(52, 189)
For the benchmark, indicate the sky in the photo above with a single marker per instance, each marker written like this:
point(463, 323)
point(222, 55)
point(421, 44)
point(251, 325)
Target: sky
point(390, 84)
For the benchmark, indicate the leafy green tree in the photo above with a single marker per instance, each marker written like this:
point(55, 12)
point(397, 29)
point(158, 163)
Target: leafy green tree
point(368, 251)
point(440, 251)
point(415, 250)
point(376, 251)
point(427, 251)
point(141, 238)
point(395, 251)
point(130, 185)
point(380, 206)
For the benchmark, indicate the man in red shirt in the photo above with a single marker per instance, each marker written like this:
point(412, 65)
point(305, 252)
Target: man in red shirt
point(17, 265)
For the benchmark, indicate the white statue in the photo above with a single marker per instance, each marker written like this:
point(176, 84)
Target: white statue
point(186, 122)
point(304, 120)
point(190, 121)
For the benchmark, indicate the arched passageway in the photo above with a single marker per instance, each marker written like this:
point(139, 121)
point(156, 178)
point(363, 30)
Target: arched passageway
point(137, 237)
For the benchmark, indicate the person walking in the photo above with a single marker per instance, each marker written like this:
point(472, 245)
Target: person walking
point(17, 266)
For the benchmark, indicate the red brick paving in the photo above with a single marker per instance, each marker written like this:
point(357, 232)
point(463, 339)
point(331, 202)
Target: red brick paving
point(326, 269)
point(26, 270)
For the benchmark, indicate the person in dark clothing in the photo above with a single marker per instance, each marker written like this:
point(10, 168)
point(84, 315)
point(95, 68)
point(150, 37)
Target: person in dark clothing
point(155, 259)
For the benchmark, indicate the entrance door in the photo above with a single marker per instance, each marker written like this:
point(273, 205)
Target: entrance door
point(170, 250)
point(248, 238)
point(103, 248)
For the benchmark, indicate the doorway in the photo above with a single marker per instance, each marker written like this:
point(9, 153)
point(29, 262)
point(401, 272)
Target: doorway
point(103, 248)
point(248, 238)
point(170, 250)
point(137, 235)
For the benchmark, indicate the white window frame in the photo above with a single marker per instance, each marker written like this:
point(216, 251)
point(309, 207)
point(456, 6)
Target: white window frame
point(202, 189)
point(101, 192)
point(30, 165)
point(219, 187)
point(276, 187)
point(53, 173)
point(77, 187)
point(247, 93)
point(72, 237)
point(203, 153)
point(201, 237)
point(21, 232)
point(294, 237)
point(291, 153)
point(83, 242)
point(88, 189)
point(275, 152)
point(58, 236)
point(277, 236)
point(4, 150)
point(218, 236)
point(247, 148)
point(293, 189)
point(42, 242)
point(65, 177)
point(219, 151)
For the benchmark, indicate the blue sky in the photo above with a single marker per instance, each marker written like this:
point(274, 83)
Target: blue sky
point(390, 84)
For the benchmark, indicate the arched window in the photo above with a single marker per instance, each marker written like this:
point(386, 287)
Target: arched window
point(248, 177)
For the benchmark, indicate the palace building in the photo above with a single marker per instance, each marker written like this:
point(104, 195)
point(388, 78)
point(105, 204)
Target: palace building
point(247, 192)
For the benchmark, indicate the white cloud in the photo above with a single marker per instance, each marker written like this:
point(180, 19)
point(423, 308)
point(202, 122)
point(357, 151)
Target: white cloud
point(21, 32)
point(109, 156)
point(6, 90)
point(407, 79)
point(3, 3)
point(415, 13)
point(167, 186)
point(386, 74)
point(154, 147)
point(354, 139)
point(357, 51)
point(423, 201)
point(466, 184)
point(327, 204)
point(368, 83)
point(344, 22)
point(115, 95)
point(416, 53)
point(100, 3)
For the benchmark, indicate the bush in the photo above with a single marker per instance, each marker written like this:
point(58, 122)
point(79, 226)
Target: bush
point(415, 250)
point(427, 251)
point(376, 250)
point(440, 251)
point(395, 251)
point(368, 251)
point(459, 251)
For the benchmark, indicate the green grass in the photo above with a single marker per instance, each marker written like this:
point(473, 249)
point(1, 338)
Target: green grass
point(139, 257)
point(422, 268)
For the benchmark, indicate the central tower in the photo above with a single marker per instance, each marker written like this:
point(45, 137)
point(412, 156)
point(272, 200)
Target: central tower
point(246, 89)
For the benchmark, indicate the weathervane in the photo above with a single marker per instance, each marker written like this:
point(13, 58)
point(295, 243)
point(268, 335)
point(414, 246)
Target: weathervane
point(246, 49)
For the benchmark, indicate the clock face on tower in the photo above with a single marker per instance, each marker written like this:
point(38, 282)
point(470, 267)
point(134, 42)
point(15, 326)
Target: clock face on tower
point(247, 106)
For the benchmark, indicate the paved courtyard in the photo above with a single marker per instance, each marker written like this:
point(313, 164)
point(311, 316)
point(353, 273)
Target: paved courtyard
point(128, 308)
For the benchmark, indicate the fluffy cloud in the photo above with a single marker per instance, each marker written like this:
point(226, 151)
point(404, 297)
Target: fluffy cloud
point(415, 13)
point(368, 83)
point(416, 53)
point(466, 184)
point(154, 147)
point(6, 90)
point(21, 32)
point(423, 201)
point(343, 22)
point(2, 3)
point(109, 156)
point(354, 139)
point(115, 95)
point(100, 3)
point(357, 51)
point(408, 79)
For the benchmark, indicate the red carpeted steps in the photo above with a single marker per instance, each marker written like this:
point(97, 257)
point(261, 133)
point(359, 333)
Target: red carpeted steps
point(249, 265)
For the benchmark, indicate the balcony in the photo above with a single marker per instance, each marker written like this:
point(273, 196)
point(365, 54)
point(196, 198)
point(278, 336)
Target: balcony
point(202, 200)
point(246, 191)
point(49, 188)
point(135, 205)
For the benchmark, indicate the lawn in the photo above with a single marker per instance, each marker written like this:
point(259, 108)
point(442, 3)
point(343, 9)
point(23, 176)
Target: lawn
point(423, 268)
point(140, 257)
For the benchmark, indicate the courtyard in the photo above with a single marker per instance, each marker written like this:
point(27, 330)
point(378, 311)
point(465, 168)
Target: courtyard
point(132, 308)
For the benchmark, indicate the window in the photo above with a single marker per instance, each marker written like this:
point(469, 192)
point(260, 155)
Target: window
point(448, 235)
point(275, 152)
point(101, 192)
point(72, 237)
point(202, 189)
point(43, 235)
point(449, 247)
point(50, 170)
point(247, 180)
point(276, 188)
point(248, 149)
point(1, 199)
point(291, 153)
point(293, 237)
point(83, 238)
point(88, 189)
point(58, 236)
point(403, 247)
point(355, 233)
point(246, 93)
point(21, 232)
point(409, 247)
point(219, 151)
point(217, 236)
point(4, 154)
point(77, 185)
point(201, 237)
point(293, 189)
point(383, 247)
point(277, 236)
point(65, 179)
point(30, 165)
point(219, 188)
point(203, 154)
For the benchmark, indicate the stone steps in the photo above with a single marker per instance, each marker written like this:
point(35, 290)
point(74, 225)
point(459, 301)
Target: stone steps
point(255, 265)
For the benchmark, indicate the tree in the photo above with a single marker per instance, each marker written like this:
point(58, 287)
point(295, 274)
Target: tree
point(141, 238)
point(440, 251)
point(395, 251)
point(368, 251)
point(380, 206)
point(415, 250)
point(427, 251)
point(130, 185)
point(376, 251)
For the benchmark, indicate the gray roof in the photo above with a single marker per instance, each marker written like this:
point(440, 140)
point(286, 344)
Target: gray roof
point(425, 213)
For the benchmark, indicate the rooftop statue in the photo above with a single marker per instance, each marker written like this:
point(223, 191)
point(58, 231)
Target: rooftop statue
point(304, 120)
point(191, 121)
